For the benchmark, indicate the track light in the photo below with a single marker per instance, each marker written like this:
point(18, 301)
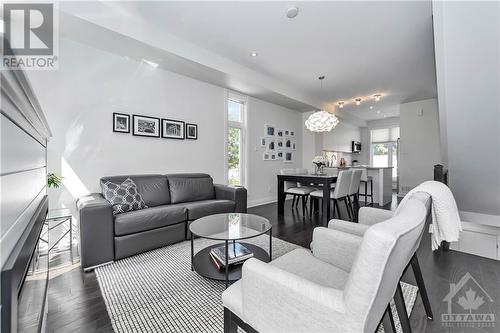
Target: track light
point(341, 105)
point(358, 101)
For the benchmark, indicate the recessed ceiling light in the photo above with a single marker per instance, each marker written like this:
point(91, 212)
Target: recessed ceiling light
point(358, 101)
point(371, 107)
point(292, 12)
point(150, 63)
point(378, 112)
point(385, 116)
point(341, 105)
point(377, 97)
point(254, 54)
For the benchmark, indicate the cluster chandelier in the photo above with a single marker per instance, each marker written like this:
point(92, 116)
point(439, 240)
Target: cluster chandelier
point(321, 121)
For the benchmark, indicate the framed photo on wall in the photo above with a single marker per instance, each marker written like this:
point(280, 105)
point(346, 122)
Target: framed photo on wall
point(271, 145)
point(279, 155)
point(288, 157)
point(191, 131)
point(266, 156)
point(121, 122)
point(270, 130)
point(146, 126)
point(172, 129)
point(263, 142)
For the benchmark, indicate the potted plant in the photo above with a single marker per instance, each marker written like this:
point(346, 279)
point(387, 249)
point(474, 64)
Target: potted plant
point(319, 161)
point(54, 180)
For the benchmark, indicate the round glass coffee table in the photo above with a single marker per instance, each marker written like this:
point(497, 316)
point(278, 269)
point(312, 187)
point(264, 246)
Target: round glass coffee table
point(229, 228)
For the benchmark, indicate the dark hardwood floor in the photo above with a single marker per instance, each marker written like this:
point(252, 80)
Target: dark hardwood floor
point(76, 304)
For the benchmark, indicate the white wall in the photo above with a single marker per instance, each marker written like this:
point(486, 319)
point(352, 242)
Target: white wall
point(262, 181)
point(90, 85)
point(467, 43)
point(419, 145)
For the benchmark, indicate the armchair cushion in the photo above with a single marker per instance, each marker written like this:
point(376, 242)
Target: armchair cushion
point(371, 216)
point(301, 262)
point(274, 300)
point(335, 247)
point(353, 228)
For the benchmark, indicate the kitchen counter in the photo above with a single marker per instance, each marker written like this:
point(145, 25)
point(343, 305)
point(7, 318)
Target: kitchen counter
point(357, 167)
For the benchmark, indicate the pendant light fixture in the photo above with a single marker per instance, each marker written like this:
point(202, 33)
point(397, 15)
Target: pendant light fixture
point(321, 121)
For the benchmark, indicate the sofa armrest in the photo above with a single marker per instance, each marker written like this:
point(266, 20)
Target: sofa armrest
point(371, 216)
point(335, 247)
point(353, 228)
point(96, 230)
point(274, 300)
point(234, 193)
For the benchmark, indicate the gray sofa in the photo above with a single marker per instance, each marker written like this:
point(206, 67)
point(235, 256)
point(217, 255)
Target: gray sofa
point(173, 200)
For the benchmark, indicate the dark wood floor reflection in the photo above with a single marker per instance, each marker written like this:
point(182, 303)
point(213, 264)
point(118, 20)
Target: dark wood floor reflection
point(76, 303)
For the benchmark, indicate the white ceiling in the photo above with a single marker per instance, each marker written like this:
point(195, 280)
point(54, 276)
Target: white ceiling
point(362, 48)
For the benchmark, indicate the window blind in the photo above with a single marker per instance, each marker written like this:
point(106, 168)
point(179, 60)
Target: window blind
point(385, 134)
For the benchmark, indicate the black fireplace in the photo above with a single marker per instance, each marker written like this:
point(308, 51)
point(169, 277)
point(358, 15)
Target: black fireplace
point(25, 278)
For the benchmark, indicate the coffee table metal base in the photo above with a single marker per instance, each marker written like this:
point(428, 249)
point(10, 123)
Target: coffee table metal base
point(203, 265)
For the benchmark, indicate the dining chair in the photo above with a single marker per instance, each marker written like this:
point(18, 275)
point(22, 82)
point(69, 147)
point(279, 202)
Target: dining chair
point(339, 193)
point(344, 285)
point(298, 191)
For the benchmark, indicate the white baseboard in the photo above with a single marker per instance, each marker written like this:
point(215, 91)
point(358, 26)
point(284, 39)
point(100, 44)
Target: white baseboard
point(263, 201)
point(480, 219)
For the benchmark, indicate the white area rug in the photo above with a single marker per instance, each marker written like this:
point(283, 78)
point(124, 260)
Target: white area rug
point(156, 291)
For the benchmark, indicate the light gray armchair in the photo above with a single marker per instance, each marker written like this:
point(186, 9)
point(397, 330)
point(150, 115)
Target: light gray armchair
point(370, 216)
point(343, 285)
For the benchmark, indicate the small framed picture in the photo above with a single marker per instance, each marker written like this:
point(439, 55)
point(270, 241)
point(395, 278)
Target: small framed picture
point(146, 126)
point(191, 131)
point(292, 133)
point(279, 155)
point(279, 143)
point(271, 145)
point(266, 156)
point(273, 157)
point(288, 143)
point(286, 132)
point(294, 145)
point(263, 142)
point(172, 129)
point(270, 130)
point(121, 122)
point(280, 133)
point(288, 157)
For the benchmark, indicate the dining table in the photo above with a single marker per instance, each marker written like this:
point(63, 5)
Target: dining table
point(323, 181)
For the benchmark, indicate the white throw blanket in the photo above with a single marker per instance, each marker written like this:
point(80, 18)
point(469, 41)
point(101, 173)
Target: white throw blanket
point(446, 225)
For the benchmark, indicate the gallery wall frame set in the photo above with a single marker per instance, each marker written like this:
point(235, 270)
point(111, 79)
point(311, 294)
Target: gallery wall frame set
point(154, 127)
point(279, 144)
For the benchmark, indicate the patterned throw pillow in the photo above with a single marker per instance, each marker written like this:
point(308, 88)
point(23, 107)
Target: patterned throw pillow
point(124, 197)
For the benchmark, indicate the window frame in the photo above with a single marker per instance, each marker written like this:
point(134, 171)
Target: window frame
point(242, 126)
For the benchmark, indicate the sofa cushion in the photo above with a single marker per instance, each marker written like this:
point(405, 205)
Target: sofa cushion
point(190, 187)
point(153, 188)
point(124, 197)
point(147, 219)
point(197, 209)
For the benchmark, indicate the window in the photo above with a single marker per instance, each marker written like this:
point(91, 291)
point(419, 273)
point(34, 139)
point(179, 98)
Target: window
point(384, 148)
point(235, 140)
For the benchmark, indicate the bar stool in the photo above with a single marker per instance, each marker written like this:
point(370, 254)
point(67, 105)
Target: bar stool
point(353, 192)
point(365, 179)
